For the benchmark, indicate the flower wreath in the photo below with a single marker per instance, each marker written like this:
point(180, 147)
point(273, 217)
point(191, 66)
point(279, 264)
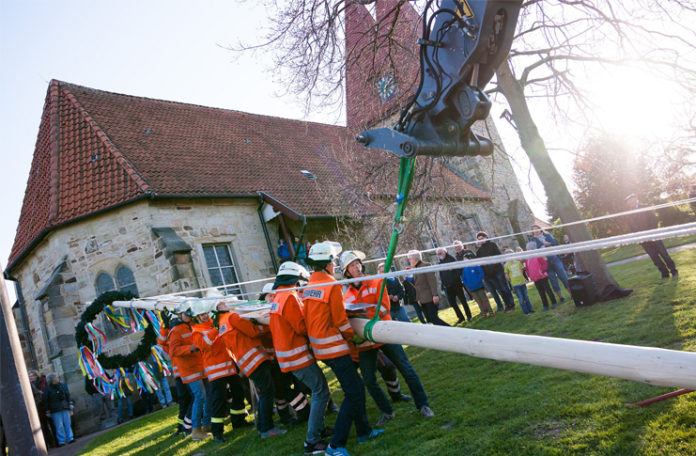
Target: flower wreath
point(141, 353)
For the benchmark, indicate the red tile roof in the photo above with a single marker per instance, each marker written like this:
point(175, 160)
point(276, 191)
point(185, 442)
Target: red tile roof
point(97, 150)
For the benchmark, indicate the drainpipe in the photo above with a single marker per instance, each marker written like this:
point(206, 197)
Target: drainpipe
point(265, 234)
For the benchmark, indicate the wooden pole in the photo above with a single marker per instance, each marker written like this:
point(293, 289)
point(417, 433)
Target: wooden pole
point(20, 420)
point(656, 366)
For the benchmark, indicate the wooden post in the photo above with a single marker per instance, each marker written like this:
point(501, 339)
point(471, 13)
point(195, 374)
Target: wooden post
point(656, 366)
point(20, 420)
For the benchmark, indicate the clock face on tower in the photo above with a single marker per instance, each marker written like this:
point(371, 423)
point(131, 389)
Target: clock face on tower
point(386, 87)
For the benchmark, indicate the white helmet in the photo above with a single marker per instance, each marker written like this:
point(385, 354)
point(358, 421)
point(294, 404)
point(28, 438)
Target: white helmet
point(268, 288)
point(290, 268)
point(324, 251)
point(348, 257)
point(202, 307)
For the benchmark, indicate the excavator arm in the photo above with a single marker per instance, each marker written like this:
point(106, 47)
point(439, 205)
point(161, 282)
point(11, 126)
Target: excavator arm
point(462, 44)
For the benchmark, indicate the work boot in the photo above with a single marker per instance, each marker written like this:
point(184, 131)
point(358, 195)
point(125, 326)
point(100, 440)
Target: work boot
point(207, 429)
point(218, 438)
point(198, 434)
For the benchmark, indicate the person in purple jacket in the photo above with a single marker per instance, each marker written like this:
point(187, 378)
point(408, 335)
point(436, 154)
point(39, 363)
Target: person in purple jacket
point(472, 277)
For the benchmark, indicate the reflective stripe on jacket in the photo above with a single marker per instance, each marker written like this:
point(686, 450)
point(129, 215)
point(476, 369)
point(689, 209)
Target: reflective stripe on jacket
point(289, 332)
point(327, 323)
point(190, 364)
point(243, 338)
point(367, 294)
point(217, 362)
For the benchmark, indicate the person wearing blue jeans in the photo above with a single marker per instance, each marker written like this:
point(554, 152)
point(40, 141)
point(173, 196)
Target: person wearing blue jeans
point(555, 269)
point(164, 393)
point(397, 355)
point(514, 273)
point(129, 404)
point(352, 408)
point(57, 403)
point(313, 378)
point(199, 409)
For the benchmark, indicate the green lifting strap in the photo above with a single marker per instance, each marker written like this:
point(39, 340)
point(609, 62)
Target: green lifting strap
point(406, 167)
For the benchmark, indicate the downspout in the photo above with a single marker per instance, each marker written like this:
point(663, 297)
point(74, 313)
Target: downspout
point(265, 234)
point(25, 322)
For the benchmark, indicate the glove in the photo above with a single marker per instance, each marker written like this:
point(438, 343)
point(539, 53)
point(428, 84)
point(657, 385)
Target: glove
point(357, 340)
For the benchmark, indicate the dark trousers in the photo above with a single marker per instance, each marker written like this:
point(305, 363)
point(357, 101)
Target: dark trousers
point(368, 367)
point(430, 312)
point(660, 257)
point(457, 291)
point(387, 370)
point(353, 406)
point(224, 395)
point(235, 400)
point(284, 394)
point(498, 286)
point(263, 380)
point(544, 289)
point(183, 398)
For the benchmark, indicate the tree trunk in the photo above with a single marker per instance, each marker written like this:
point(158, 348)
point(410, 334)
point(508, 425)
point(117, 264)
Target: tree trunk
point(556, 190)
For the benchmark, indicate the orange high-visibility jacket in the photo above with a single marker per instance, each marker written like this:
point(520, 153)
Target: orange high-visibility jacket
point(368, 293)
point(243, 338)
point(327, 323)
point(163, 341)
point(190, 363)
point(217, 362)
point(289, 331)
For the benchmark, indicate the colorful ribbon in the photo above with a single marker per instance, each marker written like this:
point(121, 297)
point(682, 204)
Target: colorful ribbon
point(161, 360)
point(89, 364)
point(97, 337)
point(118, 320)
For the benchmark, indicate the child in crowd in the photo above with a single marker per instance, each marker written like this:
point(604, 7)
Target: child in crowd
point(514, 273)
point(536, 270)
point(472, 277)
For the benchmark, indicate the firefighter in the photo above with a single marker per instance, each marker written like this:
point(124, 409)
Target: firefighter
point(330, 337)
point(224, 385)
point(189, 361)
point(243, 339)
point(183, 397)
point(292, 350)
point(365, 295)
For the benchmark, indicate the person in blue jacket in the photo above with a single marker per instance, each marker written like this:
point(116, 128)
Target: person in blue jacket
point(472, 277)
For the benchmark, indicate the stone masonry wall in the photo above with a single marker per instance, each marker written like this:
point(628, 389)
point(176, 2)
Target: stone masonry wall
point(64, 267)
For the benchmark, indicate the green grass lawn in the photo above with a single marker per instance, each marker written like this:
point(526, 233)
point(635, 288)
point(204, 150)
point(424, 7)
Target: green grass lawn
point(486, 407)
point(611, 254)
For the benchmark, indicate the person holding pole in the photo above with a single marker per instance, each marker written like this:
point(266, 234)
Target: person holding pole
point(294, 356)
point(330, 336)
point(365, 294)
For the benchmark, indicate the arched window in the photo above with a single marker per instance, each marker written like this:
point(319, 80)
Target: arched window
point(126, 280)
point(104, 283)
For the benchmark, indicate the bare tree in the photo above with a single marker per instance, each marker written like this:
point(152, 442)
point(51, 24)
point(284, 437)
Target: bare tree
point(556, 41)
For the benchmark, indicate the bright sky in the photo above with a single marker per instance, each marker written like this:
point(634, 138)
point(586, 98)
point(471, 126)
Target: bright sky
point(158, 49)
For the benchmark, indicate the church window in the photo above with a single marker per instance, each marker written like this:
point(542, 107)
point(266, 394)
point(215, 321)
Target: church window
point(221, 268)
